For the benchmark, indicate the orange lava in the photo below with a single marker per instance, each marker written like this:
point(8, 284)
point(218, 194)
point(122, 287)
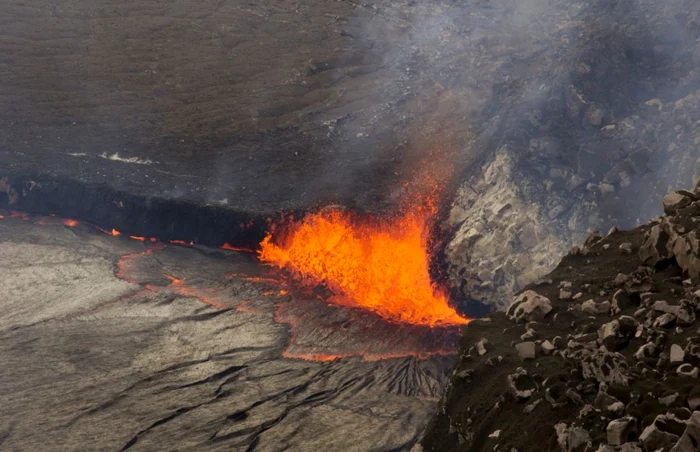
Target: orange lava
point(206, 296)
point(228, 247)
point(70, 223)
point(124, 263)
point(380, 266)
point(181, 242)
point(173, 280)
point(22, 215)
point(113, 232)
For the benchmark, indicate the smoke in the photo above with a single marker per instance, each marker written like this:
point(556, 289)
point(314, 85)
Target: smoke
point(265, 106)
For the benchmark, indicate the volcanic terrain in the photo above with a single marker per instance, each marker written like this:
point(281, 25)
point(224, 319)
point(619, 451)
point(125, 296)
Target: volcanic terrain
point(198, 197)
point(111, 342)
point(601, 354)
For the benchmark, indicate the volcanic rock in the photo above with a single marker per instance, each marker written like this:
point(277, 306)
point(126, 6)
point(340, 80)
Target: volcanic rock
point(529, 306)
point(482, 347)
point(690, 440)
point(694, 402)
point(656, 436)
point(521, 385)
point(620, 301)
point(647, 350)
point(570, 438)
point(675, 201)
point(638, 367)
point(606, 367)
point(687, 370)
point(638, 281)
point(669, 399)
point(626, 248)
point(605, 402)
point(663, 306)
point(621, 430)
point(677, 354)
point(526, 350)
point(664, 321)
point(547, 347)
point(591, 307)
point(658, 245)
point(686, 250)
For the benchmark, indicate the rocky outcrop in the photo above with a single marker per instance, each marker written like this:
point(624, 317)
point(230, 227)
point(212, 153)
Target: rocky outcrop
point(601, 354)
point(504, 238)
point(584, 143)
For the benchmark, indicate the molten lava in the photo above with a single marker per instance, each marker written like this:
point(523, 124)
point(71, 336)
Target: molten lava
point(382, 267)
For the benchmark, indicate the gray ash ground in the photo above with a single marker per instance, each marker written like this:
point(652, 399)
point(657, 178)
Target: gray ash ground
point(109, 343)
point(601, 355)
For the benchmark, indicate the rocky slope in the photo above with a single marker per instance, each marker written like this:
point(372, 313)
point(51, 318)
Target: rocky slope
point(603, 354)
point(587, 132)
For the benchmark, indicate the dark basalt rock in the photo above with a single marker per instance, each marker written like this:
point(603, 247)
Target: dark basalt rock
point(636, 364)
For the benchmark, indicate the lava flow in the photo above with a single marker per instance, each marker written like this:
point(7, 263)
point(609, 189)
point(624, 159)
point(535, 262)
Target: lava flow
point(382, 267)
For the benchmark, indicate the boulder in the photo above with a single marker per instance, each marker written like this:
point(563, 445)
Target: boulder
point(669, 399)
point(647, 350)
point(522, 385)
point(687, 370)
point(686, 250)
point(526, 350)
point(606, 367)
point(657, 246)
point(621, 430)
point(529, 306)
point(694, 402)
point(617, 334)
point(608, 334)
point(621, 301)
point(608, 403)
point(547, 347)
point(664, 321)
point(675, 201)
point(677, 355)
point(637, 282)
point(570, 438)
point(690, 440)
point(664, 306)
point(593, 308)
point(482, 347)
point(625, 248)
point(685, 315)
point(657, 435)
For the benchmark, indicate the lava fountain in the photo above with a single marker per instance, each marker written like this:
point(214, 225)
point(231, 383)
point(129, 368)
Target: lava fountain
point(367, 263)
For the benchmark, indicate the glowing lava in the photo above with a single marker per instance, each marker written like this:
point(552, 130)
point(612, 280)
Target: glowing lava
point(113, 232)
point(227, 246)
point(382, 267)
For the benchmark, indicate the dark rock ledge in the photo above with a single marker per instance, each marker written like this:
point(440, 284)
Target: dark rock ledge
point(603, 354)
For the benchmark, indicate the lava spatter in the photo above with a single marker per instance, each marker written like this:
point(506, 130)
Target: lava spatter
point(379, 266)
